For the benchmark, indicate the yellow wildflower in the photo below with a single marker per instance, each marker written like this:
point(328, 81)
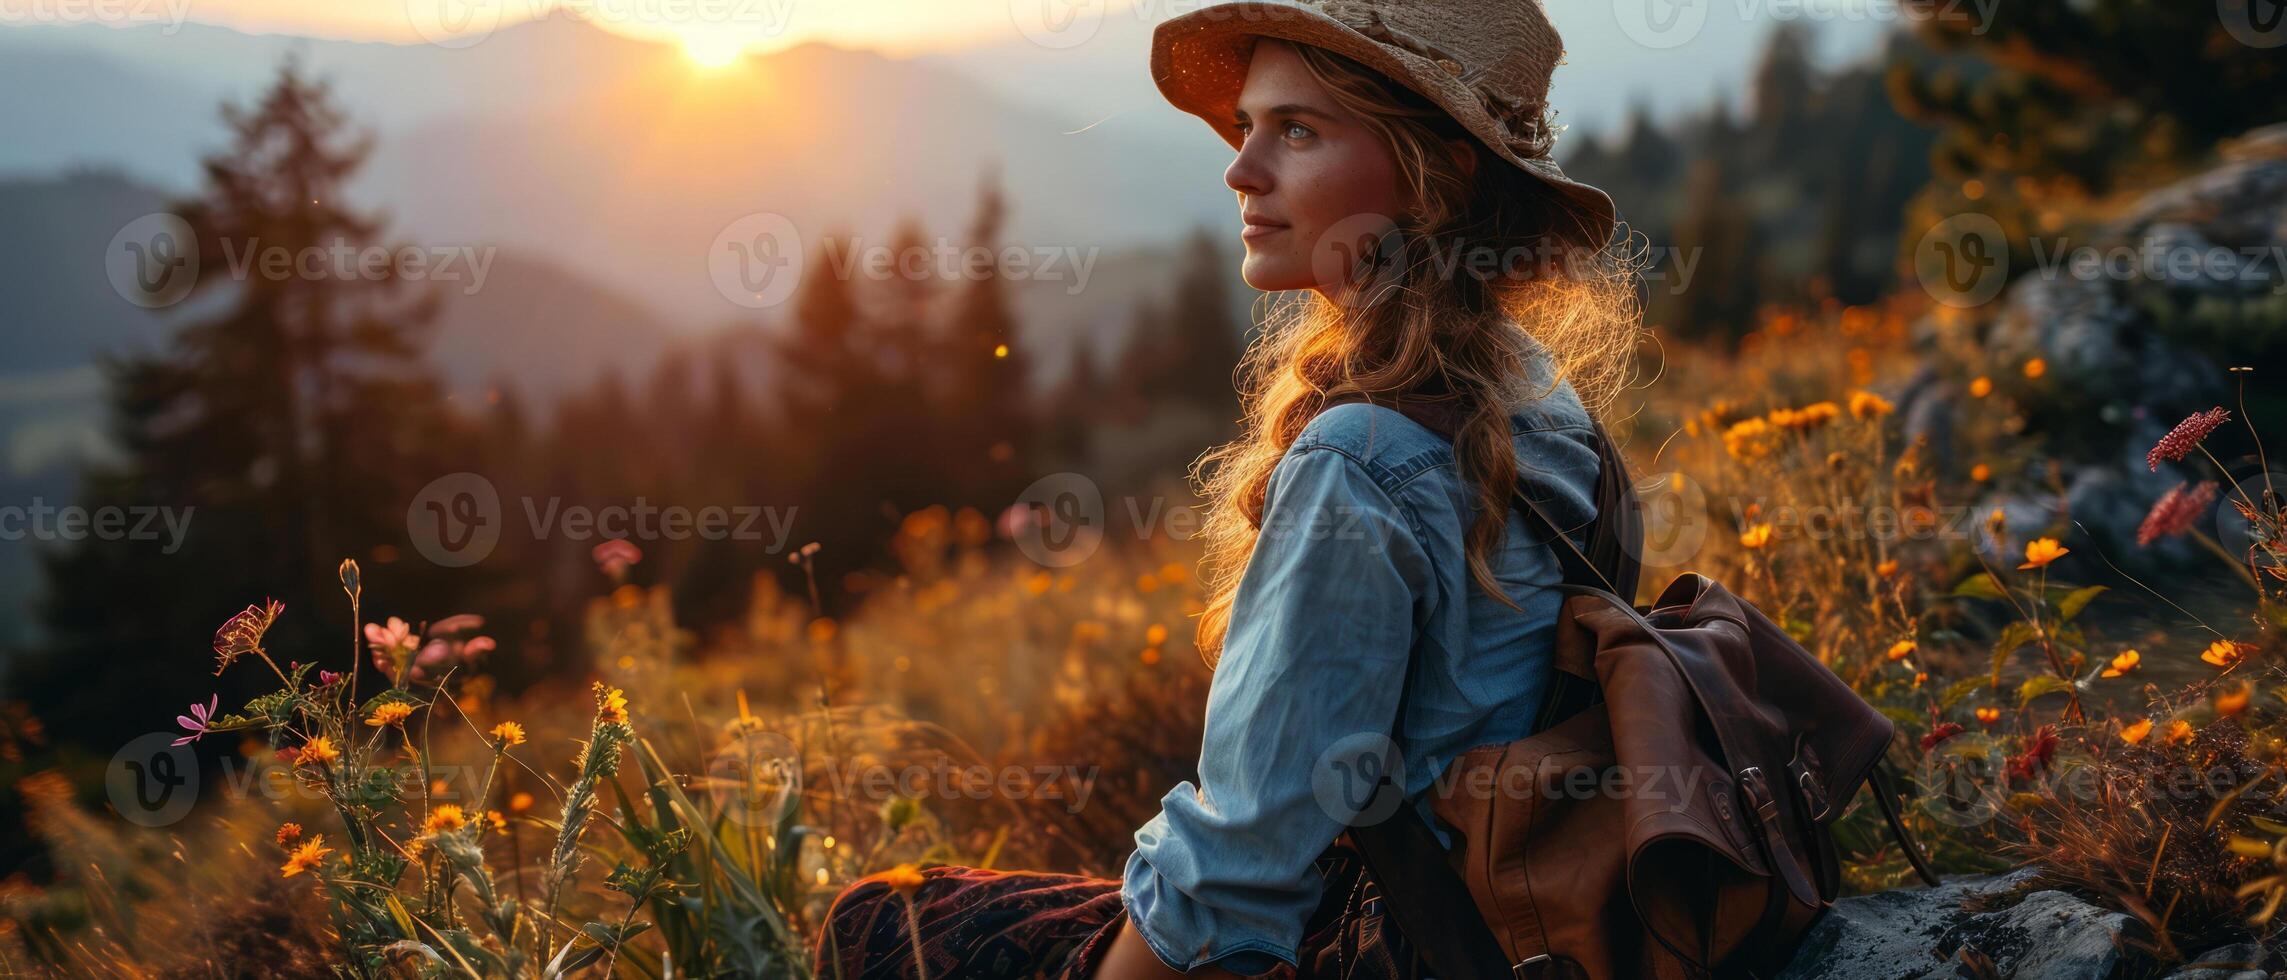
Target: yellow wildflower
point(2135, 733)
point(318, 750)
point(1868, 405)
point(2179, 730)
point(445, 817)
point(1900, 650)
point(611, 705)
point(2224, 653)
point(2122, 664)
point(1988, 715)
point(306, 857)
point(508, 733)
point(1755, 537)
point(389, 713)
point(2041, 551)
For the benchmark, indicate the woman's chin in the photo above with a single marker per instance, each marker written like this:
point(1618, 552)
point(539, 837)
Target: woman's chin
point(1271, 275)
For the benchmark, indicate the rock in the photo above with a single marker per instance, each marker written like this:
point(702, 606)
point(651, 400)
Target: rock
point(2239, 961)
point(2024, 931)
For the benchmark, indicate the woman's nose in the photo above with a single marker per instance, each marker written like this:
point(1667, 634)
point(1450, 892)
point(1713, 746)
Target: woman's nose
point(1246, 174)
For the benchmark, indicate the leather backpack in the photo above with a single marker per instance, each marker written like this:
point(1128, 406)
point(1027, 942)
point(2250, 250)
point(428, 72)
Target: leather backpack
point(1673, 813)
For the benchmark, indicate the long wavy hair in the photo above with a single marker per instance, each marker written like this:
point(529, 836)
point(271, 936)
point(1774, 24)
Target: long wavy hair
point(1426, 331)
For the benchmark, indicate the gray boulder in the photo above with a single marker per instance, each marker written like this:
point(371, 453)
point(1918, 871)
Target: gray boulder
point(2023, 930)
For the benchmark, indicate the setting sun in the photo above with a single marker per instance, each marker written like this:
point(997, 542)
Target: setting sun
point(710, 50)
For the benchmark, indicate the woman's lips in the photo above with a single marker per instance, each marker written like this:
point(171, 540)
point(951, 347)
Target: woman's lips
point(1259, 230)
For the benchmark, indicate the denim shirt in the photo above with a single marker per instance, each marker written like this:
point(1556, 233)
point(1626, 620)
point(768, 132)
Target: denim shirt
point(1358, 579)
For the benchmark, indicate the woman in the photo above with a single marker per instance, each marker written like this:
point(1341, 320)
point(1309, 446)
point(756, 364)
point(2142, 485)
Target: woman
point(1365, 576)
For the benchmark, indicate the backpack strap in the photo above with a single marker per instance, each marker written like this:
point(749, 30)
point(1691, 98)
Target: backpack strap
point(1432, 906)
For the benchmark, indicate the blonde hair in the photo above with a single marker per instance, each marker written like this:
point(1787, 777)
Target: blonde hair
point(1425, 332)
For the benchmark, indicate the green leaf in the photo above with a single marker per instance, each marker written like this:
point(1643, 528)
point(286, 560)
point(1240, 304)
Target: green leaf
point(2077, 600)
point(2037, 686)
point(2013, 636)
point(1958, 690)
point(1980, 585)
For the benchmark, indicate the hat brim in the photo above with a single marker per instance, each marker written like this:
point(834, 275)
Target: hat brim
point(1199, 61)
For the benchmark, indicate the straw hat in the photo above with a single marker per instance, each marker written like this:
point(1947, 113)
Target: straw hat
point(1487, 62)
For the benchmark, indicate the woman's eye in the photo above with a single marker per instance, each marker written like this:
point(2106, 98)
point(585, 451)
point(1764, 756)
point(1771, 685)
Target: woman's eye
point(1296, 131)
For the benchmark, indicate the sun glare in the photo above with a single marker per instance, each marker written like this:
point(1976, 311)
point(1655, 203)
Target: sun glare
point(712, 50)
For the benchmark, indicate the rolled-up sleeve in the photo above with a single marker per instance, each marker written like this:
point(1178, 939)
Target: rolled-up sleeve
point(1298, 718)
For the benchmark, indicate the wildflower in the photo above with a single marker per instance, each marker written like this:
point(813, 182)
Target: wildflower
point(390, 644)
point(1748, 439)
point(319, 750)
point(1887, 568)
point(448, 647)
point(446, 817)
point(1980, 473)
point(519, 802)
point(1939, 733)
point(242, 634)
point(288, 833)
point(611, 705)
point(197, 721)
point(306, 857)
point(1988, 714)
point(508, 733)
point(2233, 701)
point(389, 713)
point(328, 678)
point(2186, 436)
point(2040, 751)
point(2039, 552)
point(2178, 731)
point(2132, 734)
point(904, 879)
point(1981, 387)
point(614, 556)
point(2176, 512)
point(1997, 523)
point(499, 823)
point(1805, 418)
point(1900, 650)
point(1868, 405)
point(2224, 653)
point(2036, 367)
point(1755, 537)
point(2126, 661)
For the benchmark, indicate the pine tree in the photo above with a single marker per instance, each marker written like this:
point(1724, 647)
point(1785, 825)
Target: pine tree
point(297, 420)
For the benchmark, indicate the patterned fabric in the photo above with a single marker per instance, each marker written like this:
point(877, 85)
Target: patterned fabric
point(990, 925)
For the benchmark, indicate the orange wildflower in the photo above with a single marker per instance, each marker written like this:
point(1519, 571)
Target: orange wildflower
point(2224, 653)
point(2234, 701)
point(2041, 551)
point(508, 733)
point(1755, 537)
point(2126, 661)
point(390, 713)
point(2135, 733)
point(319, 750)
point(1988, 715)
point(306, 857)
point(1900, 650)
point(444, 818)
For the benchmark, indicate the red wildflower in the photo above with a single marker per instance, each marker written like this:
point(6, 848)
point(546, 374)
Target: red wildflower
point(2186, 436)
point(2176, 512)
point(2040, 751)
point(1943, 730)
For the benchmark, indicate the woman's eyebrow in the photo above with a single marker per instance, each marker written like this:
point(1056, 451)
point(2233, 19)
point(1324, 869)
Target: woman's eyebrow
point(1289, 109)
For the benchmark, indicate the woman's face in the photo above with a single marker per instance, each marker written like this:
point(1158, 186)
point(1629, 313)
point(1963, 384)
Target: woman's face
point(1312, 179)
